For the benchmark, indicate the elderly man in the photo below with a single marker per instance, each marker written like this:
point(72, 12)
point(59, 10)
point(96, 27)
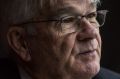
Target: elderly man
point(55, 39)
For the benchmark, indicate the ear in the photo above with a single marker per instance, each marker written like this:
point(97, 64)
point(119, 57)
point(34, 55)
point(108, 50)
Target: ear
point(16, 40)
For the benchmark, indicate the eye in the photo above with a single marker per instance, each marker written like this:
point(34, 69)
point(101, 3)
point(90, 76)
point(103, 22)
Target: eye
point(92, 15)
point(68, 19)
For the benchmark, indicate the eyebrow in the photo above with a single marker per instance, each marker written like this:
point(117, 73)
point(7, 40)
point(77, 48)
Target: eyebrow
point(69, 10)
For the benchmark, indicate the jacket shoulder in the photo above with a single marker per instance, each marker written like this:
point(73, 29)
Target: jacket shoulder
point(107, 74)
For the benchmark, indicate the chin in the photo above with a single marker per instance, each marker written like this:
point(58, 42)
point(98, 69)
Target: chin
point(89, 70)
point(85, 70)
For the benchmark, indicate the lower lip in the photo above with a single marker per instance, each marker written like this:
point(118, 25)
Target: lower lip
point(89, 53)
point(87, 56)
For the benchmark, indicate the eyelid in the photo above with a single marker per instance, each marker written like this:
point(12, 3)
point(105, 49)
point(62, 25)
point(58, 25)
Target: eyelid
point(64, 16)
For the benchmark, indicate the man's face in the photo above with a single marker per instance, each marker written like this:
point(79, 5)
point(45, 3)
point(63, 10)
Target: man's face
point(69, 52)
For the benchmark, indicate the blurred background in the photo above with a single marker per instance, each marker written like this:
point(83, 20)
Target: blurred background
point(111, 36)
point(110, 33)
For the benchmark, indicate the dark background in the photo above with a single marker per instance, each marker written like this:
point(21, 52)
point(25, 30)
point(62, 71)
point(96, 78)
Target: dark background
point(110, 33)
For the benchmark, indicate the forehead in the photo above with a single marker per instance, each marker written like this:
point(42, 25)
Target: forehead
point(82, 6)
point(79, 1)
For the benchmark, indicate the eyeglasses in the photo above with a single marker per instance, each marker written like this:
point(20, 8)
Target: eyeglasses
point(96, 19)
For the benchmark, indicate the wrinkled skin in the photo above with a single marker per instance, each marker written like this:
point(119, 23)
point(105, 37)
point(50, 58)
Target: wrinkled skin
point(56, 54)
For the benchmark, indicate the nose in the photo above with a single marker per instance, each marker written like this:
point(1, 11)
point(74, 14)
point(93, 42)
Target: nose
point(88, 31)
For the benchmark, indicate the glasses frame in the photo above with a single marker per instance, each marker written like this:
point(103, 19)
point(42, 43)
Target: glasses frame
point(104, 12)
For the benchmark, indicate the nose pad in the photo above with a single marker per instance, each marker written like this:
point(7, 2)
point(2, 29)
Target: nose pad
point(87, 30)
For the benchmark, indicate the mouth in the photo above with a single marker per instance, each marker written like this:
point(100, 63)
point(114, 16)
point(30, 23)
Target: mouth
point(88, 52)
point(88, 55)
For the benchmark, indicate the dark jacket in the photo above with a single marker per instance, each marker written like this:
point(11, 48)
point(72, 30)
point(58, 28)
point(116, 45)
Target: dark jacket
point(107, 74)
point(8, 70)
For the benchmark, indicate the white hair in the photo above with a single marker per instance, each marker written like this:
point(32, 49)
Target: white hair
point(97, 2)
point(22, 10)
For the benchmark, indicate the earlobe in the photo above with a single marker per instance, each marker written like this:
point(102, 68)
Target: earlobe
point(16, 40)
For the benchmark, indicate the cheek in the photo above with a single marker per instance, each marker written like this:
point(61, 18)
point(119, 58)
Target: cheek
point(61, 43)
point(66, 45)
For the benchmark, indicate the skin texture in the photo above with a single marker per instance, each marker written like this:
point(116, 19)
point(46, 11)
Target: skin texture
point(53, 54)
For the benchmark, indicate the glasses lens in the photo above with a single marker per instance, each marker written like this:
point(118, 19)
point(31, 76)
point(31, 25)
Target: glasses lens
point(101, 15)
